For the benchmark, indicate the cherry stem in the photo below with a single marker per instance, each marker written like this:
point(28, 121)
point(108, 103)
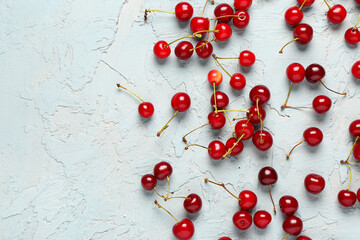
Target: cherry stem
point(298, 107)
point(215, 106)
point(352, 149)
point(167, 124)
point(327, 4)
point(223, 186)
point(227, 117)
point(230, 149)
point(227, 57)
point(162, 196)
point(202, 45)
point(285, 236)
point(217, 18)
point(216, 59)
point(153, 10)
point(331, 89)
point(168, 182)
point(350, 177)
point(272, 200)
point(119, 86)
point(302, 5)
point(195, 34)
point(235, 119)
point(184, 137)
point(223, 110)
point(357, 22)
point(288, 156)
point(215, 25)
point(261, 122)
point(212, 2)
point(197, 145)
point(281, 50)
point(287, 98)
point(353, 163)
point(159, 206)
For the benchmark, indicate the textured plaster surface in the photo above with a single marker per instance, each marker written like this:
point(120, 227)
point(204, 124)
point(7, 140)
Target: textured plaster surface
point(73, 147)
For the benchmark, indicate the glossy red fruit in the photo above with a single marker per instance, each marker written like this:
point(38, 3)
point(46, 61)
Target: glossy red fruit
point(262, 219)
point(238, 81)
point(337, 14)
point(214, 76)
point(162, 170)
point(146, 109)
point(292, 225)
point(222, 100)
point(184, 229)
point(321, 104)
point(288, 205)
point(347, 198)
point(307, 3)
point(266, 143)
point(161, 49)
point(352, 35)
point(267, 176)
point(205, 51)
point(239, 147)
point(354, 128)
point(224, 238)
point(253, 112)
point(356, 151)
point(248, 200)
point(314, 183)
point(358, 194)
point(216, 150)
point(223, 9)
point(293, 15)
point(183, 11)
point(224, 33)
point(313, 136)
point(260, 93)
point(182, 50)
point(304, 33)
point(242, 4)
point(216, 120)
point(303, 238)
point(199, 24)
point(314, 73)
point(244, 127)
point(242, 20)
point(192, 203)
point(180, 102)
point(246, 58)
point(148, 182)
point(242, 220)
point(295, 72)
point(355, 70)
point(358, 1)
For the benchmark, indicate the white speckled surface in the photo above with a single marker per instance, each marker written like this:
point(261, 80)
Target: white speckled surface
point(73, 148)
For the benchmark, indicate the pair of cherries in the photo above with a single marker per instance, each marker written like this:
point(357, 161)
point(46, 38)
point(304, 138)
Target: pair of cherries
point(292, 225)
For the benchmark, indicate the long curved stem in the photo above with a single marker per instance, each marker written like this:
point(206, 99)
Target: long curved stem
point(223, 186)
point(331, 89)
point(216, 59)
point(225, 110)
point(299, 107)
point(302, 5)
point(352, 149)
point(202, 45)
point(119, 86)
point(230, 149)
point(225, 16)
point(285, 236)
point(227, 117)
point(281, 50)
point(272, 200)
point(167, 124)
point(184, 137)
point(212, 2)
point(288, 156)
point(261, 122)
point(350, 177)
point(287, 98)
point(215, 106)
point(357, 22)
point(327, 4)
point(197, 145)
point(159, 206)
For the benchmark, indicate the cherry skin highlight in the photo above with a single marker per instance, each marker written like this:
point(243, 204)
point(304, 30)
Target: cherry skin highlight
point(288, 205)
point(352, 36)
point(248, 200)
point(183, 11)
point(238, 81)
point(307, 3)
point(313, 136)
point(314, 183)
point(314, 73)
point(216, 120)
point(184, 229)
point(266, 143)
point(246, 58)
point(293, 15)
point(214, 76)
point(192, 203)
point(355, 70)
point(223, 9)
point(146, 109)
point(222, 100)
point(260, 93)
point(242, 20)
point(216, 150)
point(267, 176)
point(292, 225)
point(347, 198)
point(244, 127)
point(242, 220)
point(205, 51)
point(182, 50)
point(242, 4)
point(180, 102)
point(162, 49)
point(199, 24)
point(148, 182)
point(295, 72)
point(262, 219)
point(337, 14)
point(321, 104)
point(224, 33)
point(254, 116)
point(162, 170)
point(237, 149)
point(354, 128)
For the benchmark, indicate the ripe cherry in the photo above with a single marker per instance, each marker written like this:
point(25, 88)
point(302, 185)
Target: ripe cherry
point(262, 219)
point(248, 200)
point(242, 4)
point(268, 176)
point(307, 2)
point(192, 203)
point(238, 81)
point(246, 58)
point(260, 94)
point(295, 72)
point(224, 238)
point(262, 140)
point(216, 150)
point(321, 104)
point(214, 76)
point(183, 11)
point(312, 136)
point(223, 9)
point(358, 194)
point(355, 70)
point(253, 114)
point(162, 170)
point(303, 33)
point(356, 152)
point(183, 50)
point(354, 128)
point(294, 15)
point(148, 182)
point(162, 49)
point(347, 198)
point(199, 24)
point(303, 238)
point(314, 73)
point(314, 183)
point(237, 149)
point(352, 35)
point(242, 220)
point(292, 225)
point(242, 20)
point(224, 32)
point(288, 205)
point(245, 128)
point(222, 100)
point(336, 14)
point(205, 50)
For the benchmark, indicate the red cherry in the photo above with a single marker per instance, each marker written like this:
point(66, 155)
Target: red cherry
point(354, 128)
point(347, 198)
point(180, 102)
point(337, 14)
point(242, 4)
point(237, 81)
point(304, 32)
point(255, 118)
point(184, 229)
point(224, 33)
point(205, 51)
point(192, 203)
point(358, 1)
point(358, 194)
point(262, 219)
point(248, 200)
point(162, 170)
point(267, 176)
point(314, 73)
point(214, 76)
point(162, 49)
point(321, 104)
point(295, 72)
point(314, 183)
point(288, 205)
point(356, 151)
point(246, 58)
point(148, 182)
point(242, 20)
point(216, 120)
point(183, 11)
point(182, 50)
point(199, 24)
point(237, 149)
point(303, 238)
point(313, 136)
point(242, 220)
point(307, 3)
point(355, 70)
point(259, 93)
point(223, 9)
point(222, 100)
point(244, 127)
point(224, 238)
point(292, 225)
point(352, 36)
point(293, 15)
point(216, 150)
point(266, 142)
point(146, 109)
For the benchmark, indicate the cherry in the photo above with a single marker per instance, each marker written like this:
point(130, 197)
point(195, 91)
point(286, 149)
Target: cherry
point(293, 15)
point(312, 136)
point(162, 49)
point(216, 120)
point(184, 229)
point(355, 70)
point(303, 33)
point(356, 151)
point(216, 150)
point(354, 128)
point(148, 182)
point(224, 238)
point(237, 149)
point(222, 100)
point(321, 104)
point(347, 198)
point(248, 200)
point(183, 11)
point(262, 219)
point(352, 35)
point(199, 24)
point(214, 76)
point(288, 205)
point(262, 140)
point(260, 94)
point(295, 72)
point(358, 1)
point(303, 238)
point(314, 183)
point(237, 81)
point(183, 50)
point(314, 73)
point(307, 2)
point(253, 114)
point(192, 203)
point(242, 220)
point(223, 9)
point(292, 225)
point(336, 14)
point(268, 176)
point(244, 127)
point(162, 170)
point(358, 194)
point(224, 32)
point(242, 4)
point(246, 58)
point(205, 50)
point(242, 20)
